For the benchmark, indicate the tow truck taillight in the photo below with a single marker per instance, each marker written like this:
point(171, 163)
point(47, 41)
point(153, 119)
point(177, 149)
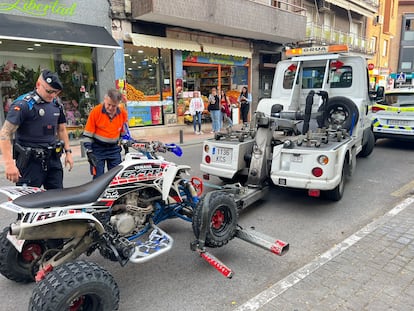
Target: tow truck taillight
point(376, 109)
point(317, 172)
point(207, 159)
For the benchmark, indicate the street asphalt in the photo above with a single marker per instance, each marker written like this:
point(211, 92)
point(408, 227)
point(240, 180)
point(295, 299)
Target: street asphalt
point(373, 269)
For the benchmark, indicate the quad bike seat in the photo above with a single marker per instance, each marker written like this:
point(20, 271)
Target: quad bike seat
point(86, 193)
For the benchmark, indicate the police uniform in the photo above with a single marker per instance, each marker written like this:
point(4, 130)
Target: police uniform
point(104, 133)
point(35, 140)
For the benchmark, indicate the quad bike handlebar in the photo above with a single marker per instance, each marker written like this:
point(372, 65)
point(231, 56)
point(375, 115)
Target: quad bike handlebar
point(152, 147)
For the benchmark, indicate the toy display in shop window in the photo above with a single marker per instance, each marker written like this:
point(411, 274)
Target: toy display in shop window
point(76, 96)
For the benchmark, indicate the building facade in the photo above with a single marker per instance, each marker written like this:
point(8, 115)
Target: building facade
point(382, 30)
point(70, 37)
point(172, 48)
point(402, 45)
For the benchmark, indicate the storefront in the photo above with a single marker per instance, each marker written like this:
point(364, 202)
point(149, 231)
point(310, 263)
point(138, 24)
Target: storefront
point(77, 52)
point(162, 73)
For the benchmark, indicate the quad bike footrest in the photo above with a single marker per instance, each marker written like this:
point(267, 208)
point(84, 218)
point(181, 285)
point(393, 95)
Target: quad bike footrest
point(152, 244)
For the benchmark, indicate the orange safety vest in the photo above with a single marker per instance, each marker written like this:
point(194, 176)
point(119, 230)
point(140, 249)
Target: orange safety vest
point(100, 127)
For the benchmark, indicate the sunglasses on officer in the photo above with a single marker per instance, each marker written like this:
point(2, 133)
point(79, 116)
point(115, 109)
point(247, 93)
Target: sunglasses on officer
point(50, 91)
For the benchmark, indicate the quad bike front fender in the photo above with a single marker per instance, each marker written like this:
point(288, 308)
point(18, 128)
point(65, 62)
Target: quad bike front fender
point(169, 174)
point(53, 225)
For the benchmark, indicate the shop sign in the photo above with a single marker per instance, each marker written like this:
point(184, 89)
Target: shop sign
point(32, 7)
point(142, 113)
point(206, 58)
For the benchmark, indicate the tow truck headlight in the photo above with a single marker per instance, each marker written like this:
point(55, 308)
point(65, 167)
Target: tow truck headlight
point(323, 160)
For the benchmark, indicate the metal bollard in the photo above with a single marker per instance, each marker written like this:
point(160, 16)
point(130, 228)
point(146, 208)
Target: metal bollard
point(181, 136)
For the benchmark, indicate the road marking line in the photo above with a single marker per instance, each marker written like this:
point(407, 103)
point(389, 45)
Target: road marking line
point(404, 190)
point(280, 287)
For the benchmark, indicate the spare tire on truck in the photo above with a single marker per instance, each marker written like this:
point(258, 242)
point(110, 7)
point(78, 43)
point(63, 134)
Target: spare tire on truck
point(338, 110)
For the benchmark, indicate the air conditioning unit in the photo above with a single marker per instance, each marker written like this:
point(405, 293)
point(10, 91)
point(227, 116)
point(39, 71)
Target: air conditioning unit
point(379, 20)
point(323, 5)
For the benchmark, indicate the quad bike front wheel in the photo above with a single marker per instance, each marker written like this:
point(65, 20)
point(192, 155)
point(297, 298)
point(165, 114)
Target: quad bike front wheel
point(76, 286)
point(20, 267)
point(221, 218)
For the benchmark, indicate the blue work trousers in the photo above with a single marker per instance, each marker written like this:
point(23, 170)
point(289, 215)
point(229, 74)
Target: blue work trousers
point(109, 156)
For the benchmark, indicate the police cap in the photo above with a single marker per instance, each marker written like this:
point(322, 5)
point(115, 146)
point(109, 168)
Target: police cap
point(52, 79)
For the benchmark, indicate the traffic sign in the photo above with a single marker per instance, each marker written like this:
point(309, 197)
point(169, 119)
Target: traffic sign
point(401, 77)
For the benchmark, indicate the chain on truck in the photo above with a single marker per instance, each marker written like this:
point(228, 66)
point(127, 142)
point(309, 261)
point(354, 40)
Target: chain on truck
point(308, 134)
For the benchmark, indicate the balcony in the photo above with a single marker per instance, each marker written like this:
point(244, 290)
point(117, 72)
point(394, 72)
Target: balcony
point(244, 19)
point(317, 34)
point(366, 8)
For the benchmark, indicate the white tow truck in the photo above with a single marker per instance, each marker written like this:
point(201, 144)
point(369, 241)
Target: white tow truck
point(308, 134)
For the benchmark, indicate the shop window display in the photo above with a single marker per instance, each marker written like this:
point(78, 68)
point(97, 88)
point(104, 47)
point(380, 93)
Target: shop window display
point(21, 63)
point(148, 77)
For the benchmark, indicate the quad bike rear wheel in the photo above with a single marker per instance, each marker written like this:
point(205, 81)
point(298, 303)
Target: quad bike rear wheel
point(221, 216)
point(76, 286)
point(21, 267)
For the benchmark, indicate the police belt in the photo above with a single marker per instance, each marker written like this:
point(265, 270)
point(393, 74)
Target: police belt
point(40, 153)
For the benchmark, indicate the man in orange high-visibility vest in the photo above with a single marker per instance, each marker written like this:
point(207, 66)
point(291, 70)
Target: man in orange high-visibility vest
point(106, 123)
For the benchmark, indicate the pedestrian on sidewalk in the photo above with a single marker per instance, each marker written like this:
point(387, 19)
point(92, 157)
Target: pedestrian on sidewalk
point(214, 108)
point(245, 100)
point(104, 127)
point(36, 119)
point(196, 109)
point(225, 109)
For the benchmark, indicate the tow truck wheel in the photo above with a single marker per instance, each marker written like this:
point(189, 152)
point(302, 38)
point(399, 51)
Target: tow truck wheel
point(21, 267)
point(222, 219)
point(75, 286)
point(369, 143)
point(339, 111)
point(337, 193)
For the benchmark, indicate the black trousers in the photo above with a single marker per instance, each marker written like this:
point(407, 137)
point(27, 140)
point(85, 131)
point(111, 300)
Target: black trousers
point(35, 175)
point(244, 109)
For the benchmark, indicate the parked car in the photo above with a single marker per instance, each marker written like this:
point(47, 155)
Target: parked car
point(394, 116)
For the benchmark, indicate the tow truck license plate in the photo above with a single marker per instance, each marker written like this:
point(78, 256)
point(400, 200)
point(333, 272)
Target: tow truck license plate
point(297, 158)
point(222, 155)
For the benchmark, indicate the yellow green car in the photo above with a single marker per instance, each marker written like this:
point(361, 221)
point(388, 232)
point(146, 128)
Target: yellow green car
point(394, 116)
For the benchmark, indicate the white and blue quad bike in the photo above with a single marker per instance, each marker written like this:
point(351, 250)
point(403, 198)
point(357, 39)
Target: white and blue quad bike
point(116, 214)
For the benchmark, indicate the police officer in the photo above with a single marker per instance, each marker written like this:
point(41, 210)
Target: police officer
point(38, 122)
point(106, 123)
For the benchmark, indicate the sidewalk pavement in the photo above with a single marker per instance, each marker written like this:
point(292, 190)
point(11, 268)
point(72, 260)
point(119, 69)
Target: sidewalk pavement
point(371, 270)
